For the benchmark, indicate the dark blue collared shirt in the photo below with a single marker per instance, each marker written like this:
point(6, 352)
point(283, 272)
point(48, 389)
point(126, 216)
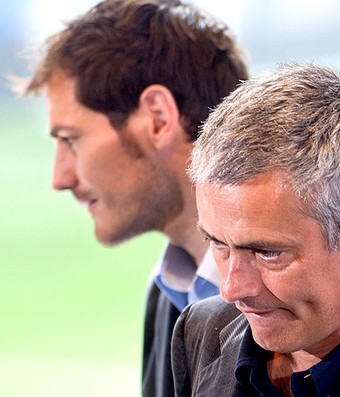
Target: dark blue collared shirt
point(321, 380)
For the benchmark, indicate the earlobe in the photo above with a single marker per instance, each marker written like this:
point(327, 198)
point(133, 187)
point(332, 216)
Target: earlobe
point(161, 106)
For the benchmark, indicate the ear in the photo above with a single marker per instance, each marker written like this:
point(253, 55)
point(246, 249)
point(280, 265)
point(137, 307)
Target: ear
point(160, 105)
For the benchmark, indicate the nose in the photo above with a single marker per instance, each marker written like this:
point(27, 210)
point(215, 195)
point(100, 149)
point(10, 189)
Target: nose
point(64, 173)
point(241, 277)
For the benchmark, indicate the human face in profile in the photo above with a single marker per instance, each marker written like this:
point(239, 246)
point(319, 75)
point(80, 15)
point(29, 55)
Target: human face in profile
point(115, 174)
point(274, 263)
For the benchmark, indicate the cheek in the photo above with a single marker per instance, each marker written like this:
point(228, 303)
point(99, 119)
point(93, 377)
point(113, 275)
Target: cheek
point(294, 287)
point(96, 165)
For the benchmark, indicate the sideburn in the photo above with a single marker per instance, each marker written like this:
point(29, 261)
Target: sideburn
point(130, 144)
point(132, 147)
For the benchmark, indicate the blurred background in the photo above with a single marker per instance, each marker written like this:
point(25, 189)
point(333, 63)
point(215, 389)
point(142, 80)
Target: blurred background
point(71, 310)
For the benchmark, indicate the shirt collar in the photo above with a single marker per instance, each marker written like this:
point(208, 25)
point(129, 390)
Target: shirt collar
point(325, 375)
point(182, 281)
point(251, 368)
point(208, 269)
point(251, 372)
point(177, 268)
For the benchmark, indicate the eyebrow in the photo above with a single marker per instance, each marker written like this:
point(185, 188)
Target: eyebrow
point(255, 244)
point(206, 234)
point(54, 132)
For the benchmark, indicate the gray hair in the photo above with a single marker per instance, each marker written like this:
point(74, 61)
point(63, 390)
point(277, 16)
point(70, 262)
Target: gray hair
point(287, 120)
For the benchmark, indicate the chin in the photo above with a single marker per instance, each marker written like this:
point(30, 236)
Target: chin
point(110, 239)
point(277, 342)
point(104, 238)
point(107, 241)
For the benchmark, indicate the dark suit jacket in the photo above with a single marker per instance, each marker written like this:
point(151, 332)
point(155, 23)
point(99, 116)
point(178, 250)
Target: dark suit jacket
point(160, 319)
point(205, 348)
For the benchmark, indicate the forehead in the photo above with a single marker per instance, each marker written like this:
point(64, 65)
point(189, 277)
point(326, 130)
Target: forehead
point(254, 195)
point(65, 111)
point(265, 203)
point(61, 84)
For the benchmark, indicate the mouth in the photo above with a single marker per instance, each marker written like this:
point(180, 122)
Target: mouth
point(88, 204)
point(265, 314)
point(256, 312)
point(259, 314)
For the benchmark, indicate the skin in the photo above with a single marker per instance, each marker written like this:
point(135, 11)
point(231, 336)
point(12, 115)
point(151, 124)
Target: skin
point(275, 266)
point(132, 180)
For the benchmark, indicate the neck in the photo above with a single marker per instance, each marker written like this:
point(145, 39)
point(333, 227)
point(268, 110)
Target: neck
point(189, 239)
point(281, 366)
point(279, 371)
point(302, 360)
point(182, 231)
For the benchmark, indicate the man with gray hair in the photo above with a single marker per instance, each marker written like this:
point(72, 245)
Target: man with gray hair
point(267, 173)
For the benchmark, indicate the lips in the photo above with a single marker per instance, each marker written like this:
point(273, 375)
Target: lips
point(266, 314)
point(261, 312)
point(84, 199)
point(247, 308)
point(258, 312)
point(91, 205)
point(88, 204)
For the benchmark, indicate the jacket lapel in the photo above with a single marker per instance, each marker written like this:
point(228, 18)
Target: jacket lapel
point(218, 378)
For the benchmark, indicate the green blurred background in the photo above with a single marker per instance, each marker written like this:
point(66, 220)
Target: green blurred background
point(66, 303)
point(71, 310)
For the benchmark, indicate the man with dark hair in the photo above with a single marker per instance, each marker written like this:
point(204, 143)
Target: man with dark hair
point(267, 174)
point(128, 84)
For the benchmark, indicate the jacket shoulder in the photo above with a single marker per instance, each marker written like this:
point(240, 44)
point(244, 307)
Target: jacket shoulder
point(200, 333)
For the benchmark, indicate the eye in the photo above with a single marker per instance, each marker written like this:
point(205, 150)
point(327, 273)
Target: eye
point(268, 254)
point(68, 140)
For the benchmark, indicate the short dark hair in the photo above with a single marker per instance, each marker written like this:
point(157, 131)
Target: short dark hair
point(119, 47)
